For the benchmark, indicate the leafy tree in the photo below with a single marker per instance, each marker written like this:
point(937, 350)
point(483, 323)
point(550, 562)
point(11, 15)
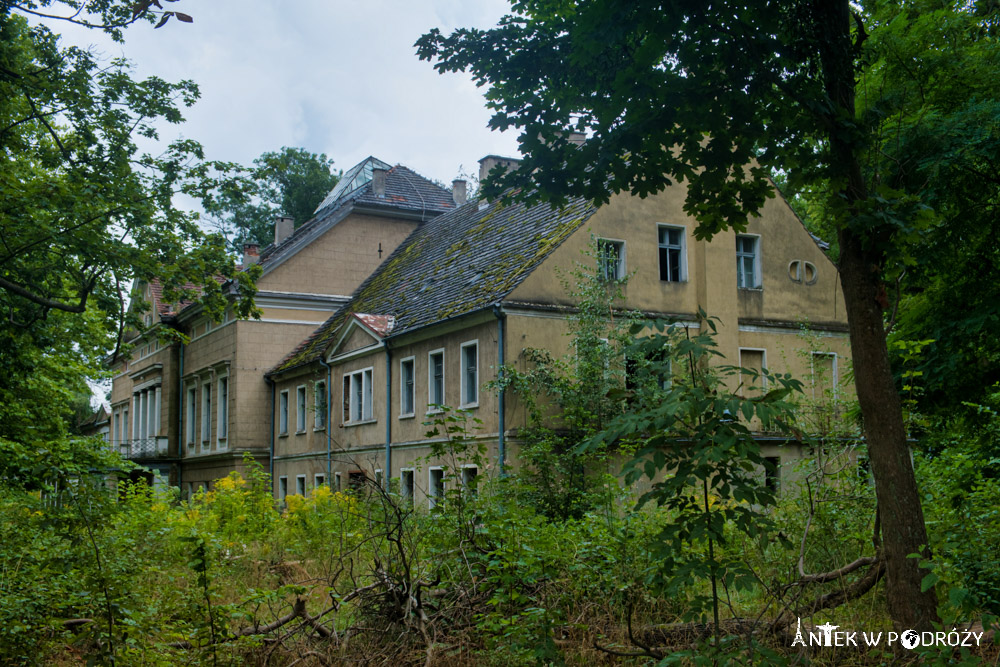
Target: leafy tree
point(715, 95)
point(84, 211)
point(289, 182)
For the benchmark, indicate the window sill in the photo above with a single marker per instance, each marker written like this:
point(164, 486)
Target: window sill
point(750, 289)
point(283, 435)
point(468, 406)
point(317, 429)
point(674, 282)
point(408, 415)
point(360, 423)
point(301, 432)
point(435, 411)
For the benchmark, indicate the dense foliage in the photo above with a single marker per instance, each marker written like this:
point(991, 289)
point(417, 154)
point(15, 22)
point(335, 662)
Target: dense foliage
point(291, 182)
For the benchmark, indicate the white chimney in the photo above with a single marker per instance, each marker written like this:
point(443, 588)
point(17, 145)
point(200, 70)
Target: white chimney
point(458, 191)
point(487, 163)
point(283, 228)
point(378, 182)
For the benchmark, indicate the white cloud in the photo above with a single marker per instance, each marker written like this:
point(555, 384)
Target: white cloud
point(340, 78)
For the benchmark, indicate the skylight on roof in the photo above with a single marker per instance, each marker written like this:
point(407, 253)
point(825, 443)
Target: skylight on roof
point(355, 177)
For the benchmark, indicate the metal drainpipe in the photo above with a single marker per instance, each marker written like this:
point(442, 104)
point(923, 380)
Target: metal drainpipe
point(180, 420)
point(329, 431)
point(501, 444)
point(270, 458)
point(388, 420)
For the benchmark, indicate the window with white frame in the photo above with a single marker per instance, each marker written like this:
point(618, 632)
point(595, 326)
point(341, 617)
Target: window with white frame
point(747, 261)
point(470, 480)
point(435, 380)
point(406, 483)
point(673, 255)
point(283, 413)
point(752, 365)
point(378, 477)
point(470, 373)
point(319, 405)
point(610, 259)
point(222, 398)
point(282, 488)
point(358, 396)
point(824, 375)
point(192, 415)
point(319, 480)
point(300, 485)
point(406, 387)
point(435, 486)
point(206, 414)
point(300, 409)
point(125, 424)
point(338, 482)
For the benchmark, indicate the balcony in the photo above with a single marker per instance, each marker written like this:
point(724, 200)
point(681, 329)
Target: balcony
point(144, 449)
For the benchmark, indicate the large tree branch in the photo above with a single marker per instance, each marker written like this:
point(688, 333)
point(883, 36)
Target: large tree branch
point(45, 302)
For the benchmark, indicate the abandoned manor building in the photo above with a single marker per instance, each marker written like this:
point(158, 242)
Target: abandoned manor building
point(401, 296)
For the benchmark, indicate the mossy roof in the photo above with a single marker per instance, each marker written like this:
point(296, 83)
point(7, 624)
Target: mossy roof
point(460, 262)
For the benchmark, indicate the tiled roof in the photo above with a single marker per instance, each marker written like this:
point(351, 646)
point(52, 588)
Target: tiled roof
point(454, 264)
point(405, 190)
point(380, 324)
point(161, 307)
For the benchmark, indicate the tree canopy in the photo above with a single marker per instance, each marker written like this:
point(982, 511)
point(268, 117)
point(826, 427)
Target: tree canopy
point(857, 101)
point(289, 182)
point(84, 210)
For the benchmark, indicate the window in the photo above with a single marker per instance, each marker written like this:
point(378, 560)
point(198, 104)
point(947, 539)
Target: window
point(223, 399)
point(753, 363)
point(610, 259)
point(125, 424)
point(192, 408)
point(300, 485)
point(356, 480)
point(283, 413)
point(772, 473)
point(470, 374)
point(435, 380)
point(673, 258)
point(406, 397)
point(282, 488)
point(470, 478)
point(206, 414)
point(318, 480)
point(406, 484)
point(824, 375)
point(378, 477)
point(658, 366)
point(747, 261)
point(338, 482)
point(358, 396)
point(300, 409)
point(319, 404)
point(435, 487)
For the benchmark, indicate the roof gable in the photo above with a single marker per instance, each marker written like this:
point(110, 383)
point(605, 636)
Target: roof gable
point(407, 194)
point(455, 264)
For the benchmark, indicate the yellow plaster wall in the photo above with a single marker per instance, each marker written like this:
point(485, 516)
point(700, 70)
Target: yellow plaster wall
point(341, 258)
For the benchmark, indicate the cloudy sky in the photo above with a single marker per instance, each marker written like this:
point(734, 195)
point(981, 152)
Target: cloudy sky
point(331, 76)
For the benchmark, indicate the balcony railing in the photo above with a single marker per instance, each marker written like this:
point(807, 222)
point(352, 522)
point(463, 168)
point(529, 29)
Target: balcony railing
point(143, 449)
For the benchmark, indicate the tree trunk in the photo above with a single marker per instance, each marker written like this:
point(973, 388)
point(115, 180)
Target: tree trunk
point(903, 530)
point(861, 265)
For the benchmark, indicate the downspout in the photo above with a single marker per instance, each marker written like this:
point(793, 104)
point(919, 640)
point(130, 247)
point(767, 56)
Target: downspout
point(180, 419)
point(501, 443)
point(388, 417)
point(329, 430)
point(270, 457)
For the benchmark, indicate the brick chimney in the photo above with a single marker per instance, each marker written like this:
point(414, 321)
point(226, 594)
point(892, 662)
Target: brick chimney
point(487, 163)
point(378, 182)
point(283, 228)
point(251, 254)
point(458, 191)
